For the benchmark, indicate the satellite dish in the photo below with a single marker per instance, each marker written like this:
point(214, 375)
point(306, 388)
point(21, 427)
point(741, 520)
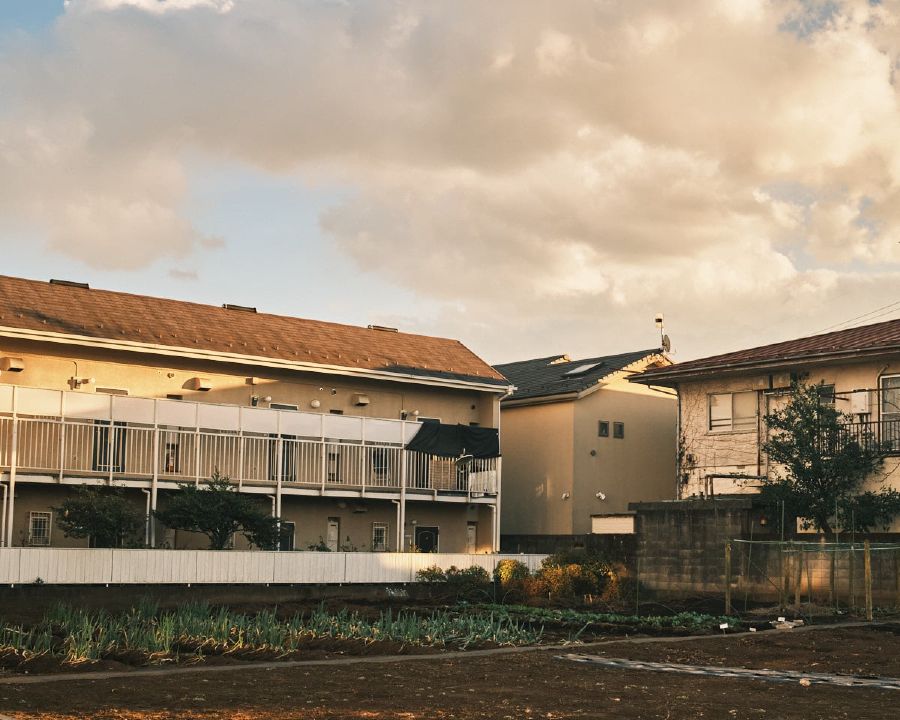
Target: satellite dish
point(666, 343)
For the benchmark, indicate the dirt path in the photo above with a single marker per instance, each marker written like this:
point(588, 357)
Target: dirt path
point(508, 686)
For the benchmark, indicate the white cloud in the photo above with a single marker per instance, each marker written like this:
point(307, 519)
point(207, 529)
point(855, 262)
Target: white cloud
point(554, 173)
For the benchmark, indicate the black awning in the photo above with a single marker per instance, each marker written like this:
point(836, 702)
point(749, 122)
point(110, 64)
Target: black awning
point(455, 440)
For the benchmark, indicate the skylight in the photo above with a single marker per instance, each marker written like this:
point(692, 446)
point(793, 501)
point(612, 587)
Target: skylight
point(581, 369)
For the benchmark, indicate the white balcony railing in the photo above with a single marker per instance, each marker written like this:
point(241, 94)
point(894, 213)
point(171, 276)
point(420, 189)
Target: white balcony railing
point(62, 434)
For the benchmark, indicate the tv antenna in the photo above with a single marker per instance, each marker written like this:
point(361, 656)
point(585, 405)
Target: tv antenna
point(664, 341)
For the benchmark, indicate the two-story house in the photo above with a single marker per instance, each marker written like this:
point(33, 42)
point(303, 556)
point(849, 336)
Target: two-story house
point(317, 420)
point(580, 444)
point(723, 401)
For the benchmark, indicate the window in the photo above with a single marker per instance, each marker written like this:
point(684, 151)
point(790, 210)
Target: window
point(379, 537)
point(826, 394)
point(381, 463)
point(619, 430)
point(732, 411)
point(890, 397)
point(336, 412)
point(39, 524)
point(172, 396)
point(603, 428)
point(423, 419)
point(172, 457)
point(288, 458)
point(282, 406)
point(334, 467)
point(112, 391)
point(109, 451)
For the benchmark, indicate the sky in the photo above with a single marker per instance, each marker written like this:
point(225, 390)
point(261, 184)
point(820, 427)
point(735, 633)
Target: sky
point(530, 178)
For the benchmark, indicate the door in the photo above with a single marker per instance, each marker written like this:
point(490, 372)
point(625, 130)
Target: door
point(471, 537)
point(333, 535)
point(286, 539)
point(427, 539)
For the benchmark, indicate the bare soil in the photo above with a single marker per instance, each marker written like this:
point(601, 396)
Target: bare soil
point(532, 684)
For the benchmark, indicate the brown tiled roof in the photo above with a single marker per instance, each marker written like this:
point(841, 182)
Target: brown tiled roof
point(865, 340)
point(102, 314)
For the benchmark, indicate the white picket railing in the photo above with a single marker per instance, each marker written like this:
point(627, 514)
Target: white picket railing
point(75, 566)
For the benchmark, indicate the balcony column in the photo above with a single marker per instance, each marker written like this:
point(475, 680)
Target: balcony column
point(154, 482)
point(496, 528)
point(13, 458)
point(401, 512)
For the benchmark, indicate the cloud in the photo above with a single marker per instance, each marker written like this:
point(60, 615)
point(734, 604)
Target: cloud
point(553, 173)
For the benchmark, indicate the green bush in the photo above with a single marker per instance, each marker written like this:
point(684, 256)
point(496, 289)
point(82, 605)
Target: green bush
point(431, 574)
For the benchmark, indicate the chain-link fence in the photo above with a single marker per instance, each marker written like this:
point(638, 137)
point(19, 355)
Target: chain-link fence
point(812, 577)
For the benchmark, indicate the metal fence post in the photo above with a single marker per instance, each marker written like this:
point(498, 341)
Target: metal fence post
point(728, 578)
point(868, 570)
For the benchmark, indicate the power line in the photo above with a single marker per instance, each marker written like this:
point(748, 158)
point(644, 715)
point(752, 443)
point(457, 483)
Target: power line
point(865, 316)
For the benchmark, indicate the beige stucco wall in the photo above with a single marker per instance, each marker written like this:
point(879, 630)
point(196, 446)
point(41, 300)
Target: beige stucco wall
point(706, 452)
point(538, 443)
point(638, 467)
point(51, 366)
point(547, 452)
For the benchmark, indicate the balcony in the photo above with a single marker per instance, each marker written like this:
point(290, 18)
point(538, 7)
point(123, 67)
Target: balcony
point(68, 436)
point(881, 435)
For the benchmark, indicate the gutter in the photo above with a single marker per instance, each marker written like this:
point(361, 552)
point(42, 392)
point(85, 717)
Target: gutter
point(253, 360)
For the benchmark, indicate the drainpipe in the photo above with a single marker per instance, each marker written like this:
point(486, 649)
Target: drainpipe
point(148, 517)
point(13, 457)
point(3, 518)
point(399, 534)
point(274, 500)
point(496, 506)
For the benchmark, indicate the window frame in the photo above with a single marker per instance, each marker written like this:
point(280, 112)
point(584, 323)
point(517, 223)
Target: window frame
point(34, 514)
point(603, 428)
point(386, 528)
point(732, 427)
point(892, 414)
point(618, 430)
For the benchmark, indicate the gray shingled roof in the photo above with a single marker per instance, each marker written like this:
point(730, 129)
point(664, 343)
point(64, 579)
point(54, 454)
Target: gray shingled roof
point(542, 377)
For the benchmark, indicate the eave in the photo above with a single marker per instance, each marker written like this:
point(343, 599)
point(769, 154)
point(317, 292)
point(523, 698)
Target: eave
point(250, 360)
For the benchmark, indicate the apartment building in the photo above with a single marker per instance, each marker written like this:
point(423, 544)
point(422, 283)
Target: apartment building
point(316, 420)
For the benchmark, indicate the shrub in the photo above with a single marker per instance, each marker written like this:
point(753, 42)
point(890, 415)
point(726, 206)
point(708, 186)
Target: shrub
point(470, 583)
point(431, 574)
point(509, 572)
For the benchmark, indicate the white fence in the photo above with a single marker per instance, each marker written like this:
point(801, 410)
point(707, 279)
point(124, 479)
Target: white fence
point(76, 566)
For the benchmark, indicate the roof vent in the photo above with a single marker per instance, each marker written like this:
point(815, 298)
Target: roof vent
point(70, 283)
point(242, 308)
point(383, 328)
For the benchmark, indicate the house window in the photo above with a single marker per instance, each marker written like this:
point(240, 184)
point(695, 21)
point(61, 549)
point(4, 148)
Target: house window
point(39, 524)
point(381, 465)
point(619, 430)
point(379, 537)
point(890, 398)
point(826, 394)
point(334, 467)
point(108, 452)
point(336, 412)
point(283, 406)
point(603, 428)
point(732, 411)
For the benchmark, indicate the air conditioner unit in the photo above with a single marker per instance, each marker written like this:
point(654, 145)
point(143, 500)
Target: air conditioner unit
point(859, 402)
point(12, 364)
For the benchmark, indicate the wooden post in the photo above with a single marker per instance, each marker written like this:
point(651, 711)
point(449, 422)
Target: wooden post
point(799, 578)
point(728, 578)
point(868, 570)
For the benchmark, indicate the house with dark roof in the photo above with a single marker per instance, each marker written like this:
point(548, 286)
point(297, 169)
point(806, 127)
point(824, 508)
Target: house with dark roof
point(724, 399)
point(580, 444)
point(317, 420)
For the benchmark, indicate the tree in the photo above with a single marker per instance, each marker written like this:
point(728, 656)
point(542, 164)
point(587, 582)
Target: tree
point(216, 509)
point(102, 514)
point(823, 464)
